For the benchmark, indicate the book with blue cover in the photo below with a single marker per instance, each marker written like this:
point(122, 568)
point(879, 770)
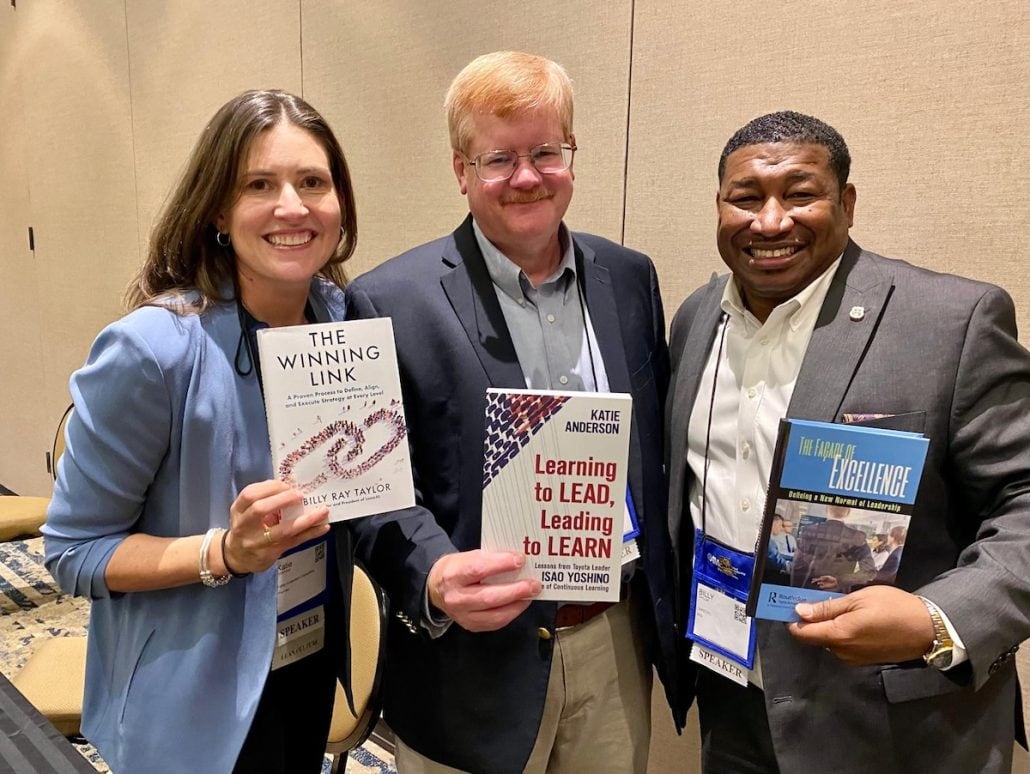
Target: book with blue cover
point(836, 514)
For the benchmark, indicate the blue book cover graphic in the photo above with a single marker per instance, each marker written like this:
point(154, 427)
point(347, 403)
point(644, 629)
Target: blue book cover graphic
point(837, 513)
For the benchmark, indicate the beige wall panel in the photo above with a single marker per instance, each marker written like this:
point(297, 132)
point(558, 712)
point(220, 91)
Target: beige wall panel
point(933, 99)
point(672, 753)
point(21, 353)
point(70, 62)
point(380, 76)
point(187, 59)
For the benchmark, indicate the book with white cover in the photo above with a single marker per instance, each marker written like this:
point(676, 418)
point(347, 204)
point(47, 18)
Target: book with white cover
point(335, 416)
point(554, 487)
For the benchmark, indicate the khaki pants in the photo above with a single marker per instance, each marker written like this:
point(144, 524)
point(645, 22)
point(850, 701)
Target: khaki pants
point(597, 715)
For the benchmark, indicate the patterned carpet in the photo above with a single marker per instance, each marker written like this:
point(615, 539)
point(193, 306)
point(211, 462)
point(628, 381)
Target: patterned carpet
point(33, 608)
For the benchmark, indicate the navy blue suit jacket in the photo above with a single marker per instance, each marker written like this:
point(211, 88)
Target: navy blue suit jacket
point(474, 700)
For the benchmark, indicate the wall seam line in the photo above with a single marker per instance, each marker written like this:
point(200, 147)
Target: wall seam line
point(132, 135)
point(629, 103)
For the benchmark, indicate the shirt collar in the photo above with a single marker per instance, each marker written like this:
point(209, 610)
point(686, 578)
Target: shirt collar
point(507, 275)
point(797, 310)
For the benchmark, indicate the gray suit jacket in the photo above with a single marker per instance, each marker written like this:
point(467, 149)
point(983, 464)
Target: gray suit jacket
point(940, 354)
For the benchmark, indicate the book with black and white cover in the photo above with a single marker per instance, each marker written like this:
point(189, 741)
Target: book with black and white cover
point(554, 488)
point(335, 416)
point(836, 514)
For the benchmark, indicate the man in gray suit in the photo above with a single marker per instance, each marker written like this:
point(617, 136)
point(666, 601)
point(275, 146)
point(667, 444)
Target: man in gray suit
point(913, 677)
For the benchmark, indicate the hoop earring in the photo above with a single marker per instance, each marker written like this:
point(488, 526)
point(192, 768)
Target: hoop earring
point(218, 239)
point(343, 234)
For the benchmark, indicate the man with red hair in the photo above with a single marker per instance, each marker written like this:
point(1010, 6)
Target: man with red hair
point(479, 676)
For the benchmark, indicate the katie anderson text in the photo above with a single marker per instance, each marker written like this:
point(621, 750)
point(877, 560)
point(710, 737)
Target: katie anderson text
point(601, 422)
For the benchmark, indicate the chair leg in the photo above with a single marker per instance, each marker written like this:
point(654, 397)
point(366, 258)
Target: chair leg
point(339, 765)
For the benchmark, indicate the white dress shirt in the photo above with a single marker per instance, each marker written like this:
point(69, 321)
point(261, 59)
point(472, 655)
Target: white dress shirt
point(757, 370)
point(745, 389)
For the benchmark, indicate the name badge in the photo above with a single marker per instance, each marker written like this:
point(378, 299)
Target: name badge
point(726, 667)
point(299, 636)
point(718, 596)
point(630, 530)
point(301, 576)
point(300, 603)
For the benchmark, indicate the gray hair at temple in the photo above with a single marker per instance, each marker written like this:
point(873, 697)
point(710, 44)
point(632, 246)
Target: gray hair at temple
point(791, 127)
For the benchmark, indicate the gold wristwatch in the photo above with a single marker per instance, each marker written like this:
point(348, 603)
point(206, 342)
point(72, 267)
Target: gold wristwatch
point(942, 649)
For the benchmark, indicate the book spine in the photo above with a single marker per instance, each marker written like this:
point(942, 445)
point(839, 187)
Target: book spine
point(762, 545)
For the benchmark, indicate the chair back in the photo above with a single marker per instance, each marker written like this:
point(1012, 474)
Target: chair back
point(367, 644)
point(57, 448)
point(22, 516)
point(54, 679)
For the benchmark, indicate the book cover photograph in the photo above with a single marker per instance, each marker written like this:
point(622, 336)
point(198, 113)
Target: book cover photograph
point(554, 488)
point(335, 416)
point(837, 513)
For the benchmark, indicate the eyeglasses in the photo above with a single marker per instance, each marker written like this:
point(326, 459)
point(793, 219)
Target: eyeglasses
point(548, 159)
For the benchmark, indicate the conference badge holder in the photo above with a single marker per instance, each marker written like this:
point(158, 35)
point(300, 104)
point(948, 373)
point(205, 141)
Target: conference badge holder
point(723, 635)
point(301, 601)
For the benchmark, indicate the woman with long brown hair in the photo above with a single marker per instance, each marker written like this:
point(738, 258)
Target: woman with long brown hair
point(206, 652)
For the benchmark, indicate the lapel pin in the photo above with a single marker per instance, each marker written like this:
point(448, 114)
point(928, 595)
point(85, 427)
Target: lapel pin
point(857, 313)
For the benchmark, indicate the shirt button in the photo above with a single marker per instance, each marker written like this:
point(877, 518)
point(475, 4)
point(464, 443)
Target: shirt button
point(521, 302)
point(563, 379)
point(751, 392)
point(763, 341)
point(745, 505)
point(550, 318)
point(745, 450)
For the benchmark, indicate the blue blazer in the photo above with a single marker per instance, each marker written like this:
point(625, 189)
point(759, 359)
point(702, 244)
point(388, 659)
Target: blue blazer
point(164, 435)
point(474, 700)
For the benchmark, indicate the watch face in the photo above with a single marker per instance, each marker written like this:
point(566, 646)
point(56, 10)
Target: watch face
point(940, 659)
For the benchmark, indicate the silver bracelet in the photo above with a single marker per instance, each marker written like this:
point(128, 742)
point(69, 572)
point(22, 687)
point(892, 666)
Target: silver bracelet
point(206, 577)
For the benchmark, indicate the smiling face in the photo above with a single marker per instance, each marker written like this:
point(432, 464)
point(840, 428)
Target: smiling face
point(285, 221)
point(783, 220)
point(520, 215)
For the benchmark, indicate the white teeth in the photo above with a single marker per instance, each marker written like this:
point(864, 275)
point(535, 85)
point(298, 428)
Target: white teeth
point(290, 240)
point(778, 253)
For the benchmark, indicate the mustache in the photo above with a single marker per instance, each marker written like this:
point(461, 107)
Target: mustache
point(527, 197)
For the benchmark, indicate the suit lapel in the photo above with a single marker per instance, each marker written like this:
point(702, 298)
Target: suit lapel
point(599, 297)
point(834, 353)
point(847, 322)
point(695, 356)
point(471, 293)
point(691, 363)
point(604, 316)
